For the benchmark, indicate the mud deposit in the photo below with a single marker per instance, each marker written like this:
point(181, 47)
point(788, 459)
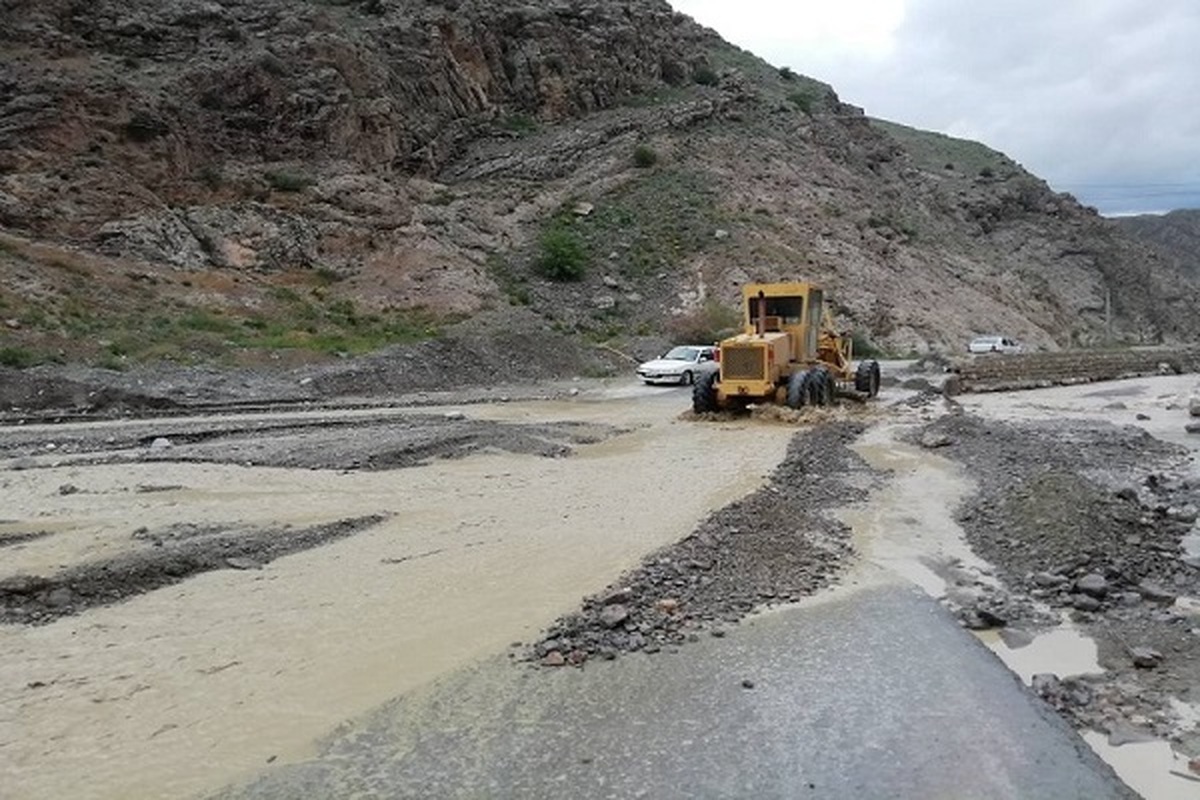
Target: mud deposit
point(776, 545)
point(172, 555)
point(371, 440)
point(1088, 520)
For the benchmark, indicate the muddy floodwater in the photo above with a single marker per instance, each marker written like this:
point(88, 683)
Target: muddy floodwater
point(183, 689)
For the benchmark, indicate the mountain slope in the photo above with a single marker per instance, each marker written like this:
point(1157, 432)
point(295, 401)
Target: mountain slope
point(189, 179)
point(1176, 235)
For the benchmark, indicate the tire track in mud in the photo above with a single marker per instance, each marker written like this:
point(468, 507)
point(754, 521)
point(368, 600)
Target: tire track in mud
point(175, 554)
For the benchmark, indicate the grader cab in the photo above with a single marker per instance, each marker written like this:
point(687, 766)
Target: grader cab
point(788, 353)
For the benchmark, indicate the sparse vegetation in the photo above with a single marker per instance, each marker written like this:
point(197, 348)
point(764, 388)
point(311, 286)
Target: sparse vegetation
point(655, 223)
point(710, 323)
point(563, 254)
point(863, 347)
point(210, 175)
point(519, 123)
point(17, 357)
point(805, 100)
point(786, 74)
point(706, 76)
point(144, 127)
point(644, 156)
point(286, 181)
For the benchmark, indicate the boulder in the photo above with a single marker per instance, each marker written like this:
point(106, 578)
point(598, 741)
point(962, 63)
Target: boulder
point(1092, 584)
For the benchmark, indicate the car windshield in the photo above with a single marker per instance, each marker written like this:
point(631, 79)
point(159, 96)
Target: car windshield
point(681, 354)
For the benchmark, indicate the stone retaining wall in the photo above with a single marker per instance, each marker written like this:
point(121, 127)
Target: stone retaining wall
point(997, 372)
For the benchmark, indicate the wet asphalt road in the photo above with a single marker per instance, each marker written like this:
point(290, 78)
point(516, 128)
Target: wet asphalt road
point(871, 692)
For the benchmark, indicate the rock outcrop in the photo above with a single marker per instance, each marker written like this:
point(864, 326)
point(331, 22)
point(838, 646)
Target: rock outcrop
point(400, 155)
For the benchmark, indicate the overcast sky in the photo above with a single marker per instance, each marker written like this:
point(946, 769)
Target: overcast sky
point(1101, 98)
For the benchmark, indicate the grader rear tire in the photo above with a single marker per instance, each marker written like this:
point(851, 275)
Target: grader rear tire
point(822, 387)
point(866, 377)
point(799, 389)
point(704, 394)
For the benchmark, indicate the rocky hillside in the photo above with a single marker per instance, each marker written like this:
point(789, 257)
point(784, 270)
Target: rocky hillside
point(204, 179)
point(1176, 235)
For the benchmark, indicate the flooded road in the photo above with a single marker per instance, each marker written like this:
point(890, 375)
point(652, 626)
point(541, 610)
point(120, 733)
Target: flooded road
point(184, 689)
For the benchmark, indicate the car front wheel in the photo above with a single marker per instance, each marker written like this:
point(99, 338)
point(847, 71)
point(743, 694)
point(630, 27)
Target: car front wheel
point(686, 379)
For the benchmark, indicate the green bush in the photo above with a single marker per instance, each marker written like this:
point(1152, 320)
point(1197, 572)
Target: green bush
point(519, 123)
point(706, 76)
point(803, 100)
point(563, 254)
point(644, 156)
point(787, 74)
point(17, 357)
point(284, 181)
point(710, 323)
point(864, 347)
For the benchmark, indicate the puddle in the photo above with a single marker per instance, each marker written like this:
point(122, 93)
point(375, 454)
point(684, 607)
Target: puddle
point(1152, 769)
point(1063, 651)
point(908, 528)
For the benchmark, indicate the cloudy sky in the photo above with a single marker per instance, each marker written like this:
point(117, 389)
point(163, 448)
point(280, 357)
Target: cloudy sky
point(1099, 97)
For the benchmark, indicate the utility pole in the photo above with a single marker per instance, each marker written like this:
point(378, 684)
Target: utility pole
point(1108, 316)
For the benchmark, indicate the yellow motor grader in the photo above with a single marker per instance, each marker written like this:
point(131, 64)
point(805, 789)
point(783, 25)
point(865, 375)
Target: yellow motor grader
point(788, 353)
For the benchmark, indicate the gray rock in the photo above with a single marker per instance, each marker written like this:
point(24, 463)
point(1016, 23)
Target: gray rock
point(1155, 593)
point(1143, 417)
point(1187, 513)
point(1194, 406)
point(1015, 639)
point(59, 598)
point(1083, 602)
point(239, 562)
point(931, 440)
point(1128, 734)
point(68, 488)
point(917, 384)
point(161, 443)
point(454, 416)
point(618, 596)
point(1050, 580)
point(554, 659)
point(1046, 685)
point(1145, 657)
point(1129, 599)
point(1092, 584)
point(613, 615)
point(1193, 427)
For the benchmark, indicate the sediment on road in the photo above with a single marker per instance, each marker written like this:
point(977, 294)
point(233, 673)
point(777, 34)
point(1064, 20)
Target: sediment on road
point(1087, 520)
point(776, 545)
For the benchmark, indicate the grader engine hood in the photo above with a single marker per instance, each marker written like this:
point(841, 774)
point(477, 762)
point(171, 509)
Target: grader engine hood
point(752, 358)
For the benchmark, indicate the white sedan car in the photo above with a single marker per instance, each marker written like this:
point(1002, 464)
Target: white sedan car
point(993, 344)
point(680, 365)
